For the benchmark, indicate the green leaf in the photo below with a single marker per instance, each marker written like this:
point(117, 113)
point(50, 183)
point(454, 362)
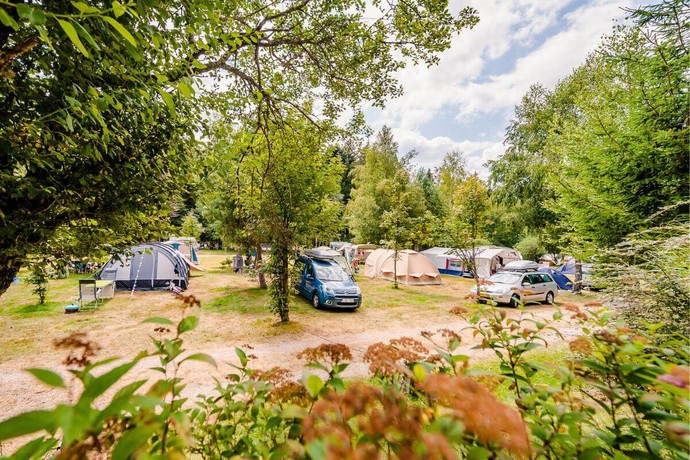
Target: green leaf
point(188, 323)
point(203, 357)
point(159, 320)
point(69, 122)
point(168, 99)
point(7, 20)
point(185, 90)
point(73, 36)
point(48, 377)
point(118, 9)
point(37, 448)
point(100, 384)
point(243, 357)
point(121, 30)
point(198, 64)
point(26, 423)
point(83, 33)
point(132, 440)
point(314, 385)
point(419, 372)
point(34, 15)
point(317, 449)
point(84, 8)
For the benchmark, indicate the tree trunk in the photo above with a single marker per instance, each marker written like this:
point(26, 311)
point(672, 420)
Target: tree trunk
point(577, 285)
point(9, 267)
point(259, 266)
point(283, 306)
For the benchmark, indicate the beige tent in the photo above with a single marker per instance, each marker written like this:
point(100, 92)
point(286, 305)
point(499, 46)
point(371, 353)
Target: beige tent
point(414, 269)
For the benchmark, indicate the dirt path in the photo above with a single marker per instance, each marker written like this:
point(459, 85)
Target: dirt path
point(21, 392)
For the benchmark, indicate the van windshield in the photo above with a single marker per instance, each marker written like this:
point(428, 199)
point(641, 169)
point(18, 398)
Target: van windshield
point(331, 273)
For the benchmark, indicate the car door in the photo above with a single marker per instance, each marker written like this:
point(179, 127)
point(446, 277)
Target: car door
point(308, 280)
point(540, 286)
point(530, 289)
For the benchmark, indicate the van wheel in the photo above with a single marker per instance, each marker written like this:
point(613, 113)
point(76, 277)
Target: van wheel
point(549, 298)
point(514, 301)
point(315, 301)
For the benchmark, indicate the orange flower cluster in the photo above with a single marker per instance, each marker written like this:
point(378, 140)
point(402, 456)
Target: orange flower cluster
point(579, 314)
point(492, 422)
point(190, 301)
point(582, 346)
point(326, 353)
point(384, 418)
point(593, 303)
point(389, 360)
point(458, 310)
point(80, 349)
point(285, 389)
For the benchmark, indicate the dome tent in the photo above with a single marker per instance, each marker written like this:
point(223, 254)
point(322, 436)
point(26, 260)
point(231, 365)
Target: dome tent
point(413, 268)
point(147, 266)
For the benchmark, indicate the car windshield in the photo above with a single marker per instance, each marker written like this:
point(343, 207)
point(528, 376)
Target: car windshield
point(506, 278)
point(331, 273)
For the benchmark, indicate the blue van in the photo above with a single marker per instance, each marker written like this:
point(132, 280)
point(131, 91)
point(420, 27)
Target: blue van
point(326, 284)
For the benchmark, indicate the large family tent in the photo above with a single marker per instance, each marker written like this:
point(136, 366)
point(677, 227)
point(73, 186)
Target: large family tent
point(413, 268)
point(447, 261)
point(145, 267)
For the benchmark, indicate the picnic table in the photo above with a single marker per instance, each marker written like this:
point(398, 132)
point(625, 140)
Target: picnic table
point(95, 291)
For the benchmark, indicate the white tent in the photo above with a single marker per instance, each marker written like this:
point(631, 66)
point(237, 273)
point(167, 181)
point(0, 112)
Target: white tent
point(488, 258)
point(413, 268)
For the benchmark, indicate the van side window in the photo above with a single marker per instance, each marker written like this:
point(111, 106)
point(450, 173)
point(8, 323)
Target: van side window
point(310, 270)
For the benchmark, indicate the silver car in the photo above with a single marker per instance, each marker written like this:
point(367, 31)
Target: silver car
point(515, 287)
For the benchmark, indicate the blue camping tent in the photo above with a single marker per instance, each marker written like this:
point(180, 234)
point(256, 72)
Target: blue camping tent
point(561, 280)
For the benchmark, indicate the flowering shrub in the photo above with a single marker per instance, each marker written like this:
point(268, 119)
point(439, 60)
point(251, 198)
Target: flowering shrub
point(618, 395)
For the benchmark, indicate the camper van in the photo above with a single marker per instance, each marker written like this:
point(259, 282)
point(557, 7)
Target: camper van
point(326, 284)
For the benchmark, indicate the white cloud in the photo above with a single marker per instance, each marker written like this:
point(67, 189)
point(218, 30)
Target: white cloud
point(460, 84)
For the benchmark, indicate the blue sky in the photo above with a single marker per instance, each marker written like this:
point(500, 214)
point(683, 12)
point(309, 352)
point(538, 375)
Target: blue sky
point(467, 101)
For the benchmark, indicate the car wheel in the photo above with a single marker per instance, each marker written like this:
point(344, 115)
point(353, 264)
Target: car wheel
point(549, 298)
point(315, 301)
point(514, 301)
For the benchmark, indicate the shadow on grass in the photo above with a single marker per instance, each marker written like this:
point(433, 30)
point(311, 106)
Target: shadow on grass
point(250, 300)
point(36, 309)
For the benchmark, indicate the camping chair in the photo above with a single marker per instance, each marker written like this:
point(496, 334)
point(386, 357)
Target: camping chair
point(92, 292)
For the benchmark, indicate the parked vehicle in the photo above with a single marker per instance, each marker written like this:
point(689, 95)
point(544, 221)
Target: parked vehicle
point(513, 287)
point(326, 284)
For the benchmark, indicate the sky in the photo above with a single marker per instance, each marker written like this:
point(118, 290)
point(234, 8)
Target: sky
point(468, 100)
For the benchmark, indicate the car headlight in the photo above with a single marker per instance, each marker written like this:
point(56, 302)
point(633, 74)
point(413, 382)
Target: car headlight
point(358, 291)
point(329, 290)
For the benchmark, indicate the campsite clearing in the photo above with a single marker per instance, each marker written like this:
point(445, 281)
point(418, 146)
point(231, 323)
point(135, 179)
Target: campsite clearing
point(232, 315)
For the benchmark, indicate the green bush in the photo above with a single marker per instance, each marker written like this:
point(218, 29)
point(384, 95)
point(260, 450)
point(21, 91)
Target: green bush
point(622, 395)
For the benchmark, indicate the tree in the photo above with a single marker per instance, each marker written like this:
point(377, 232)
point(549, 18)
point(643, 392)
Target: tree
point(191, 226)
point(399, 220)
point(451, 173)
point(90, 154)
point(280, 186)
point(470, 215)
point(300, 203)
point(367, 205)
point(424, 179)
point(87, 91)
